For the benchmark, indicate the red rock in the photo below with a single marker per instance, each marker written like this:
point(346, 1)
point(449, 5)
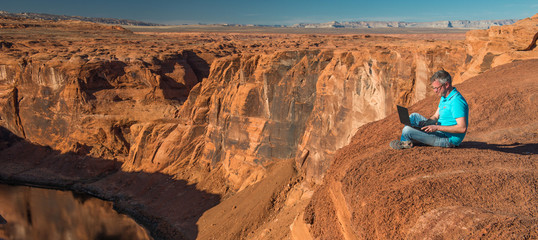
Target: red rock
point(498, 45)
point(209, 114)
point(484, 187)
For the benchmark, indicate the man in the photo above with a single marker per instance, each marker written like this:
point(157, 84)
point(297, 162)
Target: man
point(447, 127)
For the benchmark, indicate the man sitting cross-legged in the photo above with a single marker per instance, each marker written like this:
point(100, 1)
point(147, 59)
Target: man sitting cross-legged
point(447, 127)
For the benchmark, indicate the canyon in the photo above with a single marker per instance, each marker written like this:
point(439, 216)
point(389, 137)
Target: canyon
point(75, 216)
point(249, 135)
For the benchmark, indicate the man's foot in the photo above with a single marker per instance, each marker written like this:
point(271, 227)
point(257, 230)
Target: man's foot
point(397, 144)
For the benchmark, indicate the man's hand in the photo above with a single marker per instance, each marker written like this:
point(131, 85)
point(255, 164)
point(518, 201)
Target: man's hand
point(431, 128)
point(427, 122)
point(460, 127)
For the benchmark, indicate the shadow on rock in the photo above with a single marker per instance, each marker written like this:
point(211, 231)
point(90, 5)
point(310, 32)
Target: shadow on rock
point(177, 86)
point(517, 148)
point(169, 208)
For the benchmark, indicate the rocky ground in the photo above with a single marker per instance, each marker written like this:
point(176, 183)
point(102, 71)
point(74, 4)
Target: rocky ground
point(483, 189)
point(263, 136)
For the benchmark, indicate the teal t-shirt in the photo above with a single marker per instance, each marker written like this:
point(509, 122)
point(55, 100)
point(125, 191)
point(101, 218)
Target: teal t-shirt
point(451, 107)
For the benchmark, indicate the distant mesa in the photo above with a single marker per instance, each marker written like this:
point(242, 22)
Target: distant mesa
point(45, 16)
point(459, 24)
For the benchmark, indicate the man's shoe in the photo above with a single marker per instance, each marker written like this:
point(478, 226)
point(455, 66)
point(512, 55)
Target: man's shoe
point(397, 144)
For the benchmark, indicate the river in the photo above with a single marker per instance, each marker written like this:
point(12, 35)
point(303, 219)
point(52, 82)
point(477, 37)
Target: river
point(36, 213)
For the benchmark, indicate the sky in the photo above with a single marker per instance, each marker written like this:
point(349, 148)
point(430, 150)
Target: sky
point(279, 12)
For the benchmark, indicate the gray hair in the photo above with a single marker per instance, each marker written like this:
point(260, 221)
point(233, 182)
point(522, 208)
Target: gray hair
point(442, 76)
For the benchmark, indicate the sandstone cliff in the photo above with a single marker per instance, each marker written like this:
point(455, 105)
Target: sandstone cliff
point(259, 108)
point(112, 100)
point(78, 216)
point(498, 45)
point(485, 188)
point(160, 119)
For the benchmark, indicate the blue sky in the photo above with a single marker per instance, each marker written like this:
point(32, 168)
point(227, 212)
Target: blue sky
point(285, 12)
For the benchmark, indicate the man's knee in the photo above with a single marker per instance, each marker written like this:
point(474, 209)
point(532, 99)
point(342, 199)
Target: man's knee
point(407, 133)
point(415, 115)
point(407, 129)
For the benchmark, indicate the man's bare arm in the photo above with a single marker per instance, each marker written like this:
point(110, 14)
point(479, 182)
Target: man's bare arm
point(435, 116)
point(430, 121)
point(460, 127)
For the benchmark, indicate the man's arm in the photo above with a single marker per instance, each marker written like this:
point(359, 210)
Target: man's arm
point(460, 127)
point(430, 121)
point(435, 116)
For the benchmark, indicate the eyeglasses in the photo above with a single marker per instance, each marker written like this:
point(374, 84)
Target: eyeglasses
point(437, 88)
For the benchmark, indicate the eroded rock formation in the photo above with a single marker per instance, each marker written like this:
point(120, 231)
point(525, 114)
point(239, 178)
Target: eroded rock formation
point(485, 188)
point(207, 115)
point(74, 216)
point(498, 45)
point(120, 100)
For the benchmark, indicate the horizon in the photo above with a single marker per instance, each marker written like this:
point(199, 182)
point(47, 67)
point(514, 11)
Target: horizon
point(242, 12)
point(247, 24)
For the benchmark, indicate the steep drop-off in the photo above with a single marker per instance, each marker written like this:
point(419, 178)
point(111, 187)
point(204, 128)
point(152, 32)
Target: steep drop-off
point(170, 125)
point(165, 104)
point(483, 189)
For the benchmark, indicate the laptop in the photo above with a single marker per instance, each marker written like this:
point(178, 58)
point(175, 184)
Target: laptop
point(404, 117)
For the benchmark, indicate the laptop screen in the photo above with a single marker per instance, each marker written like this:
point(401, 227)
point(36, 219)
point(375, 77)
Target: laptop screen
point(404, 115)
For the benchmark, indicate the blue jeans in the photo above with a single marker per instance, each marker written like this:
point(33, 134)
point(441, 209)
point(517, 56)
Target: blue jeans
point(437, 139)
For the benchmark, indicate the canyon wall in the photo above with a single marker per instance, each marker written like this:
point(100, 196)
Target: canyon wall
point(175, 113)
point(496, 46)
point(32, 216)
point(484, 188)
point(305, 102)
point(215, 111)
point(222, 107)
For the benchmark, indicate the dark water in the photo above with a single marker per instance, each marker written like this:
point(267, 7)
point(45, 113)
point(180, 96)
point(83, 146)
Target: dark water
point(35, 213)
